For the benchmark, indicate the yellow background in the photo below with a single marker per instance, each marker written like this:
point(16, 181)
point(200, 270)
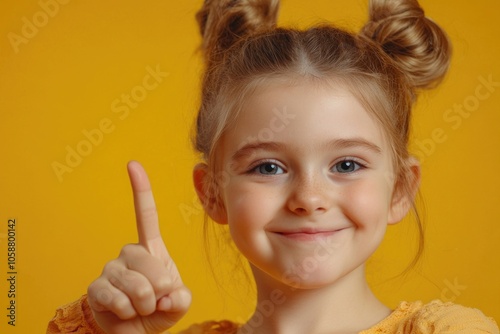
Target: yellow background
point(64, 79)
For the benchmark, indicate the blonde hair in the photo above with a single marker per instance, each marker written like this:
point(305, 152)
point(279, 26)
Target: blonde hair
point(397, 53)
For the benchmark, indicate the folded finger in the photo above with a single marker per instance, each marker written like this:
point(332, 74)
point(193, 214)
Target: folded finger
point(162, 277)
point(139, 291)
point(103, 297)
point(177, 301)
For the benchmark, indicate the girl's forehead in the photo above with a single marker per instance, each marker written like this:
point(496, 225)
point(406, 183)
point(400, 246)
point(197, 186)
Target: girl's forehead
point(303, 111)
point(293, 91)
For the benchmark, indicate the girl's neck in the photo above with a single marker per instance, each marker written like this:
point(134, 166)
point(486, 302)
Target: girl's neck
point(347, 306)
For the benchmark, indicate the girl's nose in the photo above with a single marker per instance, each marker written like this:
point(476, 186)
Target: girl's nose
point(309, 196)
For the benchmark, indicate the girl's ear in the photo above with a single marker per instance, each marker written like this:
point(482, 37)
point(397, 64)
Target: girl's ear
point(405, 190)
point(205, 194)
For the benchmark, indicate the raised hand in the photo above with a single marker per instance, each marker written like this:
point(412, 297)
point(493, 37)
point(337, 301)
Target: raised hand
point(141, 291)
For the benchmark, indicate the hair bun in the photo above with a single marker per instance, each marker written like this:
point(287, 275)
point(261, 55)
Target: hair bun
point(223, 22)
point(417, 44)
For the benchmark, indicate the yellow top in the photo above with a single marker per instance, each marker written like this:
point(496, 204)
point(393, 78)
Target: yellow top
point(408, 318)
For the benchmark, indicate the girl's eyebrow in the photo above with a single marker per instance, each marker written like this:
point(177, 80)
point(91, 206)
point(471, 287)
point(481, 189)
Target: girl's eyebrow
point(354, 142)
point(247, 149)
point(341, 143)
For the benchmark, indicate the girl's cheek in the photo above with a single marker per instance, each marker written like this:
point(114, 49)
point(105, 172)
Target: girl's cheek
point(249, 204)
point(365, 202)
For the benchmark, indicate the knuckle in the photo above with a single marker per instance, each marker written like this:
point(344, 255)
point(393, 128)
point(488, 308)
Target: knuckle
point(104, 296)
point(149, 212)
point(143, 292)
point(128, 251)
point(100, 296)
point(116, 273)
point(122, 308)
point(120, 278)
point(162, 284)
point(93, 288)
point(110, 267)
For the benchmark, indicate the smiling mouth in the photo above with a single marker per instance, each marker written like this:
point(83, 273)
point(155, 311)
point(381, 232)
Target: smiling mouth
point(307, 235)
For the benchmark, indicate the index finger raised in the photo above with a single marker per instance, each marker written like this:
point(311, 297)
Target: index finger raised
point(145, 208)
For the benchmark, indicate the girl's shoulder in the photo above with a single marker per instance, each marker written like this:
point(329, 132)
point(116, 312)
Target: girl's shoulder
point(435, 317)
point(408, 318)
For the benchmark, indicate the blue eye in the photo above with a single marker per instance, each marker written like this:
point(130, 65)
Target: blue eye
point(268, 168)
point(346, 166)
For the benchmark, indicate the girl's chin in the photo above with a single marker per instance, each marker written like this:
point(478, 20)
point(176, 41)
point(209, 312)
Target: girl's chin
point(309, 280)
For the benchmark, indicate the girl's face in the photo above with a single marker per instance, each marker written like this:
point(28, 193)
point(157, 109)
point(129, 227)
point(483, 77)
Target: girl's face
point(308, 192)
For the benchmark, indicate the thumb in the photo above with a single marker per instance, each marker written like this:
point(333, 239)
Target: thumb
point(170, 309)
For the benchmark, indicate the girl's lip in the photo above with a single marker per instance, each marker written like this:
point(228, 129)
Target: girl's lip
point(308, 230)
point(308, 234)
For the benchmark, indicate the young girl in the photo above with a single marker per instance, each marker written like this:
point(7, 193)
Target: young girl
point(304, 137)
